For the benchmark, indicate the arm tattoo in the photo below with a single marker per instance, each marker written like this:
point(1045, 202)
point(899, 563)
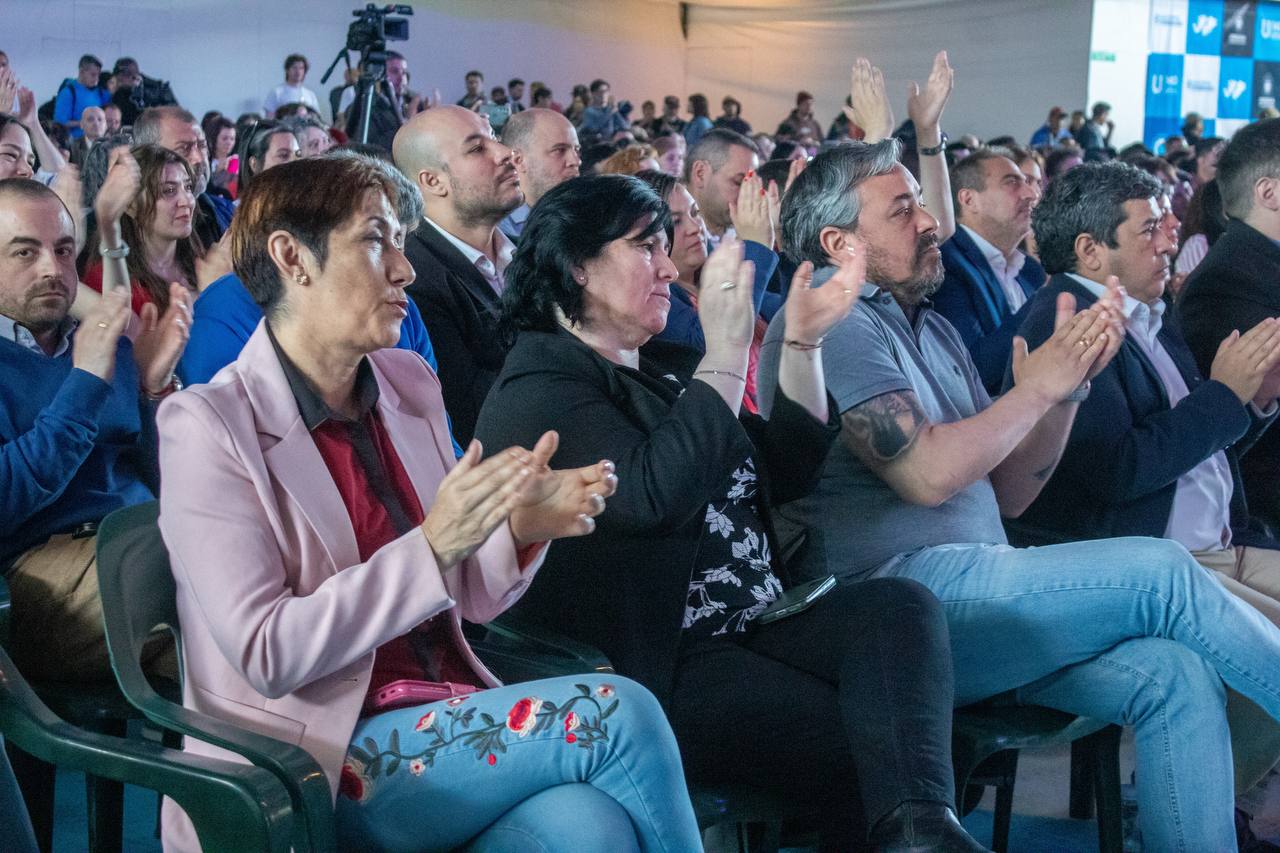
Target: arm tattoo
point(884, 428)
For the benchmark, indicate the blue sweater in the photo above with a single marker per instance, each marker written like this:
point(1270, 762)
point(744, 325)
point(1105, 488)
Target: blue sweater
point(225, 315)
point(72, 447)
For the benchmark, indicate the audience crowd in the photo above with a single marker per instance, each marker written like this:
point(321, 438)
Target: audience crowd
point(834, 432)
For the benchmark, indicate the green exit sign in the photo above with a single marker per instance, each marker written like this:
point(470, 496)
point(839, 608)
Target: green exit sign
point(1102, 56)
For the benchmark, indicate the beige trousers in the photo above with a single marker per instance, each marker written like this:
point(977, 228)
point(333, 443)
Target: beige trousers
point(56, 631)
point(1253, 575)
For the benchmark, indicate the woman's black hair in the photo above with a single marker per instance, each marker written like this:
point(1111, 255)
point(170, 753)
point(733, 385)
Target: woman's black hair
point(570, 225)
point(663, 184)
point(254, 143)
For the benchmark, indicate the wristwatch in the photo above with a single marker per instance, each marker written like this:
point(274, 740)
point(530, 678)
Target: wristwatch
point(934, 150)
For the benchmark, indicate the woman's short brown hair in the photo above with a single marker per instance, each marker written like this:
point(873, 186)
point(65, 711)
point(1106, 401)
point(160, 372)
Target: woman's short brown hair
point(306, 198)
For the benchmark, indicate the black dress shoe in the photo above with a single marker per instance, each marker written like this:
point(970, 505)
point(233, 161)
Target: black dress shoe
point(922, 827)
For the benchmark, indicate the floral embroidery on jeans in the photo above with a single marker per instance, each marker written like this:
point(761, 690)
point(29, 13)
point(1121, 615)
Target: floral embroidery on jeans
point(582, 717)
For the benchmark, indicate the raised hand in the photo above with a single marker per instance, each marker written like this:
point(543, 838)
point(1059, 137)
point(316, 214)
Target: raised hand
point(812, 312)
point(871, 110)
point(725, 307)
point(124, 178)
point(1112, 303)
point(94, 347)
point(924, 107)
point(69, 188)
point(8, 90)
point(557, 504)
point(27, 106)
point(1060, 364)
point(1243, 362)
point(214, 263)
point(750, 212)
point(161, 339)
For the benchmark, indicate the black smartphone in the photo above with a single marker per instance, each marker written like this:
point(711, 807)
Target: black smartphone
point(797, 600)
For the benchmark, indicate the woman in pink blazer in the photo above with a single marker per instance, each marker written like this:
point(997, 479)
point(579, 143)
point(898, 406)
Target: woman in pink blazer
point(326, 546)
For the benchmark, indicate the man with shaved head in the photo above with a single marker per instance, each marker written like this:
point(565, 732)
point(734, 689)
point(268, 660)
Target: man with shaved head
point(468, 184)
point(545, 151)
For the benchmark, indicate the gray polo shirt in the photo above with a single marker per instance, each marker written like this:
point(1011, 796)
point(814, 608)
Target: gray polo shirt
point(856, 522)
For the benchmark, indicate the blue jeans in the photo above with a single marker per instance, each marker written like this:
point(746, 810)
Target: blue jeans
point(1107, 628)
point(581, 763)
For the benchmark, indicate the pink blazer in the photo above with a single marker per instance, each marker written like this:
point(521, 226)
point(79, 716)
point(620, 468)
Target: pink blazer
point(280, 618)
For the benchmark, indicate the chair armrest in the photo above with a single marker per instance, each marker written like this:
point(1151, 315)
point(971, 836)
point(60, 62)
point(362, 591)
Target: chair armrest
point(537, 650)
point(292, 766)
point(233, 806)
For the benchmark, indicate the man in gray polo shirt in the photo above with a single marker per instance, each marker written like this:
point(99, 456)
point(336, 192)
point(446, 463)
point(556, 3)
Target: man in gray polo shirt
point(1128, 630)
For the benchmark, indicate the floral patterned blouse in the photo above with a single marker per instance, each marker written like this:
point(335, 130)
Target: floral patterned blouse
point(733, 580)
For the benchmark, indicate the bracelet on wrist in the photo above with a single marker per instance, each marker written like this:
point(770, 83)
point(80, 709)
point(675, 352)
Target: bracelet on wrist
point(174, 384)
point(737, 376)
point(802, 345)
point(120, 252)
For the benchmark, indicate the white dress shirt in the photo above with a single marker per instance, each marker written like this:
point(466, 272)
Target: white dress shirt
point(502, 249)
point(1201, 516)
point(1006, 269)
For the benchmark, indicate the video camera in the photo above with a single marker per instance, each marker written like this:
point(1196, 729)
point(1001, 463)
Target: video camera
point(372, 30)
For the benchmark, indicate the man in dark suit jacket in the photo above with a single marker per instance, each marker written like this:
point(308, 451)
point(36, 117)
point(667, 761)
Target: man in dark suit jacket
point(1237, 285)
point(468, 185)
point(1153, 448)
point(988, 279)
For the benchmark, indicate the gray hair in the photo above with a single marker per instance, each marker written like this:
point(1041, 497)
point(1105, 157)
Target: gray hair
point(1251, 155)
point(1089, 199)
point(146, 127)
point(825, 195)
point(714, 147)
point(408, 200)
point(299, 123)
point(97, 161)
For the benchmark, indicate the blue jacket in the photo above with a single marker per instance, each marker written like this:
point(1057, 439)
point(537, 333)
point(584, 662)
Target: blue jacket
point(72, 448)
point(225, 315)
point(1128, 447)
point(973, 301)
point(684, 327)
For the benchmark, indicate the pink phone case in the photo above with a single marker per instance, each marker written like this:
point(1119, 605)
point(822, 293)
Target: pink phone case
point(400, 694)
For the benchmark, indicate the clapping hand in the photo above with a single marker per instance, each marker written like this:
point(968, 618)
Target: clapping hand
point(214, 263)
point(162, 338)
point(1244, 363)
point(924, 107)
point(27, 106)
point(98, 335)
point(124, 178)
point(812, 312)
point(750, 212)
point(557, 504)
point(8, 90)
point(871, 110)
point(1062, 363)
point(726, 309)
point(477, 496)
point(1113, 304)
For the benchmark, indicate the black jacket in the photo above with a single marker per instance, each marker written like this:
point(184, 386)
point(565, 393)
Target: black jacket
point(623, 589)
point(383, 120)
point(1237, 286)
point(460, 309)
point(1128, 447)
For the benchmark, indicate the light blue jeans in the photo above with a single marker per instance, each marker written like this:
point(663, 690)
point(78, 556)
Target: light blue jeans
point(1131, 630)
point(565, 765)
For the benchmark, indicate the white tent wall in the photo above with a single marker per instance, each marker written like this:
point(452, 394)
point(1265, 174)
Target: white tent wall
point(227, 54)
point(1013, 58)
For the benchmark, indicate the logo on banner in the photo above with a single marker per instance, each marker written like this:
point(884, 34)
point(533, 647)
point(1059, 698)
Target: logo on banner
point(1162, 83)
point(1204, 25)
point(1234, 89)
point(1269, 29)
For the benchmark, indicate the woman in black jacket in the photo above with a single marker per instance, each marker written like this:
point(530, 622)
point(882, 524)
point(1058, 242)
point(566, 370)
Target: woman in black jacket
point(845, 706)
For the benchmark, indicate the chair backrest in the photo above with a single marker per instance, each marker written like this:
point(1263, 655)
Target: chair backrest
point(138, 593)
point(139, 596)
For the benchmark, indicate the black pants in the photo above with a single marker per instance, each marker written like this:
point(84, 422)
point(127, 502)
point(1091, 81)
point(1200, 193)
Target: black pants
point(846, 706)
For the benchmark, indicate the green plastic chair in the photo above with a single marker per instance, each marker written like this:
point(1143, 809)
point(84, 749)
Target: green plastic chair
point(139, 597)
point(233, 806)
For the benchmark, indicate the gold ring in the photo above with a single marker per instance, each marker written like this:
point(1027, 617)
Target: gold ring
point(1085, 342)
